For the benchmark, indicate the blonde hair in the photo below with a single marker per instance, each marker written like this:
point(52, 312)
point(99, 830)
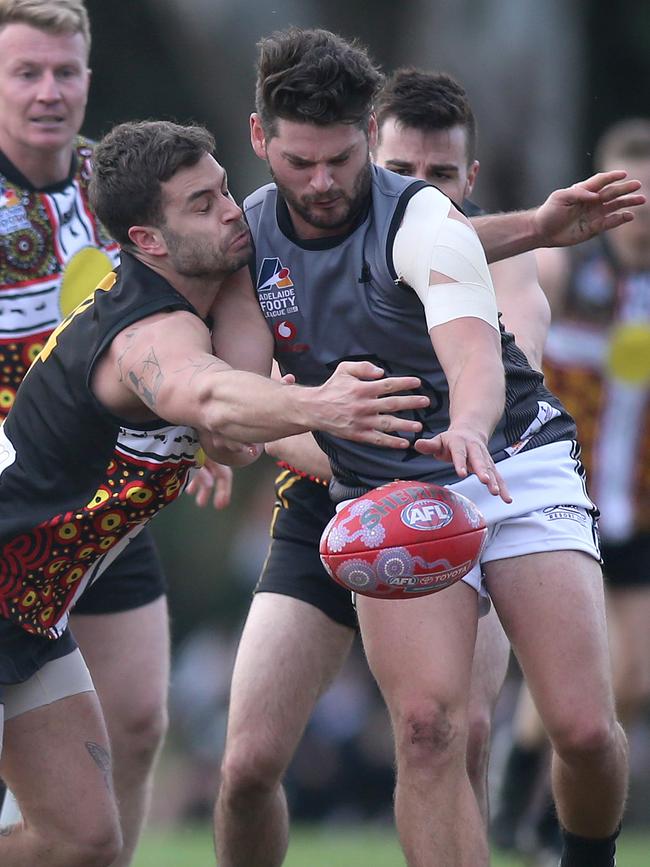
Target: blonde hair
point(53, 16)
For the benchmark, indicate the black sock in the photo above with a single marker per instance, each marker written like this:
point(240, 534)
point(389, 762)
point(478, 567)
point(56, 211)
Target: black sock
point(519, 779)
point(548, 827)
point(588, 851)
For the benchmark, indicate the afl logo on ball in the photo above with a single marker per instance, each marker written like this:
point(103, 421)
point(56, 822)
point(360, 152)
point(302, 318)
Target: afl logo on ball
point(427, 515)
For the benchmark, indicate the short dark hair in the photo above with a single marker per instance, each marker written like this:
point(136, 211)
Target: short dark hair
point(130, 164)
point(314, 76)
point(627, 139)
point(427, 101)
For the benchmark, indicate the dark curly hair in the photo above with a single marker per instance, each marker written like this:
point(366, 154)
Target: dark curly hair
point(130, 164)
point(314, 76)
point(428, 101)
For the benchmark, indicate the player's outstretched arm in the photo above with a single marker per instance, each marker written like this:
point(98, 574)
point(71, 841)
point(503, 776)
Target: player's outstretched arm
point(439, 256)
point(165, 363)
point(567, 217)
point(469, 351)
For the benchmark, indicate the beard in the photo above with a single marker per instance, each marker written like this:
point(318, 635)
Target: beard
point(349, 204)
point(200, 258)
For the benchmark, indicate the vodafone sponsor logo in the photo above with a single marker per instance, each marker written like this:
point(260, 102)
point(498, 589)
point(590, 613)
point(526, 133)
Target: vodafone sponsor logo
point(285, 330)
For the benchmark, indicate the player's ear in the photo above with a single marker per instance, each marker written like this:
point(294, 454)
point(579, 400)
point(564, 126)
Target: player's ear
point(258, 138)
point(372, 132)
point(472, 174)
point(148, 239)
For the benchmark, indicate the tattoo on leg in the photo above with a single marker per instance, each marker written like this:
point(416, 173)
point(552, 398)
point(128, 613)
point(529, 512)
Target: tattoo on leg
point(102, 758)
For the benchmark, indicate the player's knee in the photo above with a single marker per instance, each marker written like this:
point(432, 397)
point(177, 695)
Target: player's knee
point(249, 769)
point(479, 732)
point(139, 732)
point(96, 845)
point(586, 737)
point(429, 735)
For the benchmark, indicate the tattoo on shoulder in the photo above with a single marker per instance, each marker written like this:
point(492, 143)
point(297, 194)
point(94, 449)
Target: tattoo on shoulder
point(147, 378)
point(129, 337)
point(102, 758)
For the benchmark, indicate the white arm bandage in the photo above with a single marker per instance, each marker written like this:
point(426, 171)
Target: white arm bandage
point(429, 240)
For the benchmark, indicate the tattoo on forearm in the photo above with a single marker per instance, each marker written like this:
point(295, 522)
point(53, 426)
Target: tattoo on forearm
point(148, 379)
point(197, 367)
point(102, 758)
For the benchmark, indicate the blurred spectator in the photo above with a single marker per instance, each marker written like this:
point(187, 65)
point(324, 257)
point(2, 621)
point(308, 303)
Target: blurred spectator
point(597, 360)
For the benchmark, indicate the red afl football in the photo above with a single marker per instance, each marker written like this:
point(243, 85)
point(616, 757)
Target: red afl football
point(403, 540)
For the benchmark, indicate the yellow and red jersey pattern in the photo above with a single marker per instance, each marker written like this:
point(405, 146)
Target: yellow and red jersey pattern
point(44, 570)
point(596, 360)
point(53, 252)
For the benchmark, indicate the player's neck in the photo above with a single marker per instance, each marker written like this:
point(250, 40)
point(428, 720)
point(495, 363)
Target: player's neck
point(42, 168)
point(199, 291)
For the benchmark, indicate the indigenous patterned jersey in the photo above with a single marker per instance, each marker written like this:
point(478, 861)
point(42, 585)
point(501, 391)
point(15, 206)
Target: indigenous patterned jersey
point(52, 248)
point(76, 483)
point(598, 360)
point(337, 298)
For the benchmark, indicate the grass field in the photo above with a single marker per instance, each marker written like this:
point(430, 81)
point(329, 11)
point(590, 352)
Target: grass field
point(329, 847)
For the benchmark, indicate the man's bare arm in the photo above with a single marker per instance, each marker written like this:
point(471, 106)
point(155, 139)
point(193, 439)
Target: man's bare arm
point(569, 216)
point(524, 308)
point(165, 363)
point(303, 453)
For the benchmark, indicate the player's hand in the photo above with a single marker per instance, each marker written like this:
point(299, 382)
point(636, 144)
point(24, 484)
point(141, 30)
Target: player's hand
point(224, 450)
point(468, 452)
point(214, 481)
point(360, 403)
point(587, 208)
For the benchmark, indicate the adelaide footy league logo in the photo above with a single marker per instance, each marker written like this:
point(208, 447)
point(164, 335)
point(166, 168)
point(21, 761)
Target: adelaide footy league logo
point(275, 289)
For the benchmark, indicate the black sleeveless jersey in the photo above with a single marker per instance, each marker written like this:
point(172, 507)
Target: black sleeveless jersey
point(76, 482)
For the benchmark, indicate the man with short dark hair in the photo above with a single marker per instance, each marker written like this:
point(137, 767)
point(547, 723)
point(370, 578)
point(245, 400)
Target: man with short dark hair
point(103, 433)
point(383, 267)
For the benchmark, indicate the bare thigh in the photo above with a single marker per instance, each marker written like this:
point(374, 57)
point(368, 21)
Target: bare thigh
point(629, 617)
point(288, 654)
point(490, 664)
point(552, 608)
point(127, 653)
point(56, 761)
point(421, 650)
